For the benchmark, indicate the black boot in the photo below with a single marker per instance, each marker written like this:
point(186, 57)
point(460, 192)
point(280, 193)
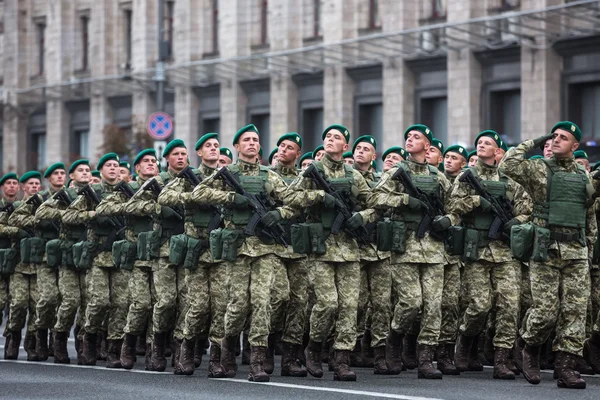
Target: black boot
point(591, 351)
point(426, 368)
point(342, 370)
point(257, 358)
point(140, 345)
point(41, 344)
point(445, 361)
point(128, 351)
point(12, 344)
point(228, 355)
point(50, 343)
point(568, 377)
point(367, 352)
point(61, 355)
point(380, 364)
point(269, 362)
point(409, 355)
point(185, 364)
point(102, 346)
point(463, 349)
point(290, 366)
point(78, 344)
point(356, 359)
point(89, 352)
point(531, 364)
point(176, 349)
point(158, 362)
point(474, 362)
point(501, 368)
point(29, 345)
point(113, 353)
point(395, 343)
point(245, 350)
point(215, 369)
point(313, 358)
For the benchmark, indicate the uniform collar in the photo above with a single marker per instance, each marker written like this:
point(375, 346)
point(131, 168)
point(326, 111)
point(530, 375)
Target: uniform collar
point(565, 162)
point(285, 170)
point(246, 166)
point(368, 175)
point(331, 163)
point(206, 170)
point(107, 187)
point(417, 166)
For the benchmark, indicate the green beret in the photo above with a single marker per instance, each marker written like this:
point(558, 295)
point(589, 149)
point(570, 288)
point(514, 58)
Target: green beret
point(306, 156)
point(247, 128)
point(441, 167)
point(580, 154)
point(68, 182)
point(125, 164)
point(291, 136)
point(142, 154)
point(10, 175)
point(471, 154)
point(365, 138)
point(458, 149)
point(29, 175)
point(96, 174)
point(536, 157)
point(396, 149)
point(491, 134)
point(172, 145)
point(420, 128)
point(503, 145)
point(225, 152)
point(319, 148)
point(105, 158)
point(204, 138)
point(77, 164)
point(53, 168)
point(348, 154)
point(569, 127)
point(438, 144)
point(338, 127)
point(596, 166)
point(272, 154)
point(374, 164)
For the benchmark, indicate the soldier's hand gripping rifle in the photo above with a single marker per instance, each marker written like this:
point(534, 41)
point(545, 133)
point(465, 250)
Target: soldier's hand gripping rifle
point(34, 201)
point(194, 180)
point(433, 204)
point(9, 208)
point(124, 188)
point(63, 197)
point(88, 192)
point(501, 206)
point(153, 186)
point(259, 205)
point(344, 206)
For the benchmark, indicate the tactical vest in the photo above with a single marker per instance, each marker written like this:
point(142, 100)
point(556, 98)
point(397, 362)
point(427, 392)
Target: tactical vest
point(139, 224)
point(566, 198)
point(5, 242)
point(173, 225)
point(344, 186)
point(200, 215)
point(256, 185)
point(482, 220)
point(46, 229)
point(429, 184)
point(74, 233)
point(101, 225)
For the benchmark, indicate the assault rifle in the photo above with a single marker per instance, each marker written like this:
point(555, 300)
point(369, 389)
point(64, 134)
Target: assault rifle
point(124, 188)
point(260, 206)
point(63, 197)
point(433, 204)
point(8, 208)
point(117, 223)
point(189, 175)
point(344, 206)
point(153, 186)
point(501, 206)
point(34, 201)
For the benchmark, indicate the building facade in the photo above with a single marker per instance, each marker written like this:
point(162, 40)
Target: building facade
point(75, 72)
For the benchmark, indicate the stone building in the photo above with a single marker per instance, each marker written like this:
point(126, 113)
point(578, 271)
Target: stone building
point(72, 70)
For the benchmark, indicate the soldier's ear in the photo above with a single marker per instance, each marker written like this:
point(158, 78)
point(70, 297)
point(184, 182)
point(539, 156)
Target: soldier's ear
point(575, 146)
point(463, 164)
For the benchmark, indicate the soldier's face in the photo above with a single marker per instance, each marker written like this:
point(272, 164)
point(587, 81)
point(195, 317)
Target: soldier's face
point(306, 163)
point(124, 174)
point(319, 155)
point(209, 152)
point(453, 163)
point(178, 158)
point(584, 162)
point(110, 171)
point(147, 167)
point(335, 142)
point(364, 153)
point(224, 161)
point(288, 152)
point(433, 156)
point(248, 145)
point(548, 149)
point(57, 178)
point(563, 143)
point(32, 186)
point(10, 187)
point(391, 160)
point(82, 174)
point(486, 148)
point(473, 161)
point(416, 142)
point(349, 161)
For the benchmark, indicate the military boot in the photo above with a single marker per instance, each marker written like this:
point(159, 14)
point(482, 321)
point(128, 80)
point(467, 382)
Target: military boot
point(185, 364)
point(12, 344)
point(568, 377)
point(269, 363)
point(228, 355)
point(61, 355)
point(89, 355)
point(591, 351)
point(215, 369)
point(342, 370)
point(474, 362)
point(463, 349)
point(356, 356)
point(76, 331)
point(313, 358)
point(501, 360)
point(169, 344)
point(245, 350)
point(148, 358)
point(29, 345)
point(409, 355)
point(331, 357)
point(518, 353)
point(176, 351)
point(41, 344)
point(50, 343)
point(426, 368)
point(199, 351)
point(102, 346)
point(445, 362)
point(325, 352)
point(128, 351)
point(257, 373)
point(531, 364)
point(487, 354)
point(380, 364)
point(367, 352)
point(582, 366)
point(113, 353)
point(140, 345)
point(395, 343)
point(290, 366)
point(158, 361)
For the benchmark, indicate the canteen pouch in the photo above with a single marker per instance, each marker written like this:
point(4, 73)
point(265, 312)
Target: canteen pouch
point(195, 247)
point(384, 235)
point(216, 245)
point(54, 253)
point(541, 244)
point(32, 250)
point(455, 241)
point(148, 245)
point(471, 245)
point(300, 236)
point(317, 239)
point(124, 253)
point(230, 240)
point(8, 261)
point(521, 241)
point(83, 254)
point(398, 237)
point(67, 255)
point(178, 248)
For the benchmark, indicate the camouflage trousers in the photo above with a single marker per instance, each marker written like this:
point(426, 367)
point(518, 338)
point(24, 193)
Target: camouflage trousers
point(23, 296)
point(496, 285)
point(292, 312)
point(171, 298)
point(593, 303)
point(108, 297)
point(419, 289)
point(450, 303)
point(249, 297)
point(141, 291)
point(363, 312)
point(280, 296)
point(560, 294)
point(379, 293)
point(74, 297)
point(3, 294)
point(525, 293)
point(336, 286)
point(47, 283)
point(205, 316)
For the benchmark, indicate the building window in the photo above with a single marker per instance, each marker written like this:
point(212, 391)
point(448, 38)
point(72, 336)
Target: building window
point(434, 114)
point(312, 128)
point(215, 26)
point(438, 9)
point(316, 18)
point(210, 125)
point(84, 21)
point(584, 108)
point(81, 145)
point(127, 17)
point(505, 114)
point(169, 27)
point(262, 122)
point(264, 21)
point(41, 41)
point(374, 21)
point(38, 151)
point(370, 120)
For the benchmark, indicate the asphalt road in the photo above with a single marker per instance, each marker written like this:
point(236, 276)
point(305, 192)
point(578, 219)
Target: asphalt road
point(27, 380)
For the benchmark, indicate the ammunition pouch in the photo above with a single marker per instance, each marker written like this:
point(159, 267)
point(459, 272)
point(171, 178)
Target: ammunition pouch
point(195, 248)
point(8, 261)
point(455, 241)
point(399, 232)
point(521, 241)
point(308, 238)
point(216, 245)
point(83, 254)
point(32, 250)
point(384, 235)
point(124, 253)
point(148, 245)
point(471, 244)
point(178, 249)
point(232, 240)
point(54, 253)
point(541, 244)
point(67, 259)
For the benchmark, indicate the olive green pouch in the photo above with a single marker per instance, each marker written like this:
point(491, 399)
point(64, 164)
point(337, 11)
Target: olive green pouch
point(77, 249)
point(471, 245)
point(54, 253)
point(300, 237)
point(83, 254)
point(195, 247)
point(521, 241)
point(455, 241)
point(541, 244)
point(231, 240)
point(317, 239)
point(384, 235)
point(216, 245)
point(124, 253)
point(398, 237)
point(148, 245)
point(32, 250)
point(8, 261)
point(67, 255)
point(178, 248)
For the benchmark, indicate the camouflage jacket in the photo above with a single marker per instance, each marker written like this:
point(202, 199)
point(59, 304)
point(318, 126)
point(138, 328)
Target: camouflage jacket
point(52, 210)
point(451, 259)
point(533, 175)
point(304, 194)
point(369, 252)
point(390, 194)
point(464, 199)
point(288, 175)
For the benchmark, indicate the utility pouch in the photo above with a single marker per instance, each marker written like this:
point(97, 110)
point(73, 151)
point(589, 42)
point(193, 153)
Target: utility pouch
point(384, 235)
point(455, 241)
point(195, 247)
point(8, 261)
point(521, 241)
point(398, 237)
point(124, 253)
point(231, 240)
point(471, 245)
point(54, 253)
point(541, 244)
point(177, 249)
point(32, 250)
point(300, 237)
point(216, 244)
point(148, 245)
point(67, 256)
point(317, 239)
point(83, 254)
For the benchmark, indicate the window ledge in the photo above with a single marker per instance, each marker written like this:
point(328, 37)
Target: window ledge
point(82, 73)
point(433, 20)
point(372, 29)
point(500, 10)
point(312, 40)
point(263, 47)
point(210, 55)
point(37, 79)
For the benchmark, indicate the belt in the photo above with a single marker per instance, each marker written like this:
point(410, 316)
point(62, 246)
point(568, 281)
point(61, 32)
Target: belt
point(565, 237)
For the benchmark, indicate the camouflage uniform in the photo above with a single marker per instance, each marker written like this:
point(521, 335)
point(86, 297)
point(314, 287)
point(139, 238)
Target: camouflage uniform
point(5, 243)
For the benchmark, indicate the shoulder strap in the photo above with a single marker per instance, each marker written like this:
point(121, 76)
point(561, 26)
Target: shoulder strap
point(433, 170)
